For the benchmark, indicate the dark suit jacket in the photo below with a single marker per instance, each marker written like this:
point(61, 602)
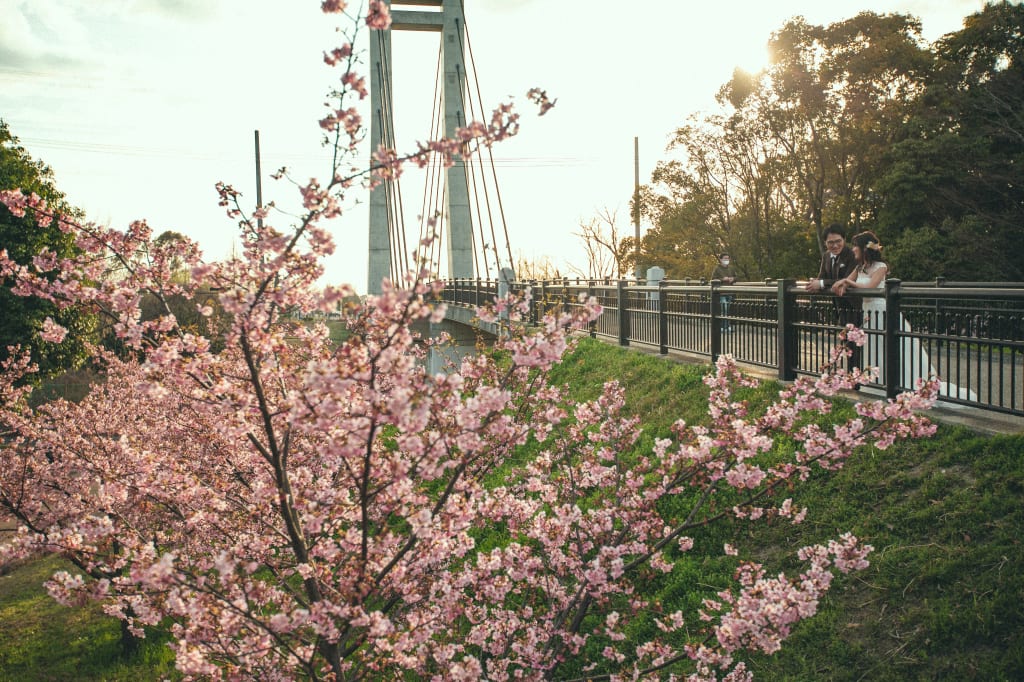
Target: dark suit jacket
point(848, 310)
point(845, 264)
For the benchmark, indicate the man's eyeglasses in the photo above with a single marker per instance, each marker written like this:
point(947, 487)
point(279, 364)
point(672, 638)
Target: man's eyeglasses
point(833, 242)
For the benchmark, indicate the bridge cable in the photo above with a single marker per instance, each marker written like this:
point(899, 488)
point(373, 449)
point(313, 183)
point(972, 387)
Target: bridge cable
point(433, 206)
point(490, 153)
point(478, 249)
point(386, 141)
point(398, 207)
point(472, 180)
point(435, 189)
point(392, 187)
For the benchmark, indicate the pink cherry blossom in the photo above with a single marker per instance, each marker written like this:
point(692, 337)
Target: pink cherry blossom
point(338, 54)
point(540, 98)
point(289, 507)
point(52, 332)
point(378, 15)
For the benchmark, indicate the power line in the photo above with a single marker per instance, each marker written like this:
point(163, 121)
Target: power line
point(167, 152)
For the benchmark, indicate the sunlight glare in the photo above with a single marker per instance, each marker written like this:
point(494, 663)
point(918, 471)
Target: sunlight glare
point(751, 57)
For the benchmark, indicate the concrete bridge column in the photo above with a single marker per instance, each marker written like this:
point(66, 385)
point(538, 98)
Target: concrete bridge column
point(379, 265)
point(460, 223)
point(463, 344)
point(450, 23)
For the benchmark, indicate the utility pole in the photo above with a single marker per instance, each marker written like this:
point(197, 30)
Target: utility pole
point(259, 194)
point(636, 206)
point(259, 181)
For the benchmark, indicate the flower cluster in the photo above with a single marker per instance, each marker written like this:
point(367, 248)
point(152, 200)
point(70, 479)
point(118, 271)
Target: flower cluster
point(540, 98)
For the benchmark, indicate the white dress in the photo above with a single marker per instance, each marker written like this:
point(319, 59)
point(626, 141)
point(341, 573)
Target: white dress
point(914, 361)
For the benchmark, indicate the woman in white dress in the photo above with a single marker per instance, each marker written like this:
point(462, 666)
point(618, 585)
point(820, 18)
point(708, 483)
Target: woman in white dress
point(871, 273)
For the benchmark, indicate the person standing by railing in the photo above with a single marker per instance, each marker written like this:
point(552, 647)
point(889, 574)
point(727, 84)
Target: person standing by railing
point(837, 262)
point(915, 364)
point(726, 274)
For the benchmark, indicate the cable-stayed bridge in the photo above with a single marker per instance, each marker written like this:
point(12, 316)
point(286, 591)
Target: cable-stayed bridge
point(972, 333)
point(461, 203)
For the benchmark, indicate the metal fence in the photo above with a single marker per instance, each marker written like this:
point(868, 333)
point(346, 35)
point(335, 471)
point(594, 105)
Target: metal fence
point(969, 334)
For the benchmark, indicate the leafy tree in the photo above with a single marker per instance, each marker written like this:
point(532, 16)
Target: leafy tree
point(835, 98)
point(957, 174)
point(728, 197)
point(695, 218)
point(198, 312)
point(797, 146)
point(683, 240)
point(23, 239)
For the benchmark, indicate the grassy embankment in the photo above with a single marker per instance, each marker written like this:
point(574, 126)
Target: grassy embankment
point(941, 600)
point(943, 596)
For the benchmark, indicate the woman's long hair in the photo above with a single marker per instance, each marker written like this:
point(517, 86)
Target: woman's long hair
point(870, 247)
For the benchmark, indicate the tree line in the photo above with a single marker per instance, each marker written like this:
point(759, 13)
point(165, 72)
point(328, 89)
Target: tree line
point(24, 241)
point(863, 123)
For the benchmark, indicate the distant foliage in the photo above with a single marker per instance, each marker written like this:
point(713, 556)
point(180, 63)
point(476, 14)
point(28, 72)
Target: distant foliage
point(22, 240)
point(861, 123)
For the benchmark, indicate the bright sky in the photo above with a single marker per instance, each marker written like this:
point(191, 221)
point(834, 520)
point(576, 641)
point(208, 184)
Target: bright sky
point(140, 106)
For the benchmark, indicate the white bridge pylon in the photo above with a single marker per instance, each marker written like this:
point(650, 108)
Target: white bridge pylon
point(448, 20)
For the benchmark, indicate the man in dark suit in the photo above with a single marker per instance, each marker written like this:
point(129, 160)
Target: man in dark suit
point(837, 263)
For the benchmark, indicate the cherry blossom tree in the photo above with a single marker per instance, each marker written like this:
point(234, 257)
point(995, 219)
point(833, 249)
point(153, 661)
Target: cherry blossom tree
point(299, 509)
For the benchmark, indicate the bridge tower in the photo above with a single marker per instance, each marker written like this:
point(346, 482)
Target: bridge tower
point(450, 23)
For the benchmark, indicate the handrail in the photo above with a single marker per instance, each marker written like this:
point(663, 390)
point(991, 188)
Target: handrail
point(972, 333)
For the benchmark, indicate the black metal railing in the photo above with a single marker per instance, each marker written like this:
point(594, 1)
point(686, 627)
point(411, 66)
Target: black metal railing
point(970, 334)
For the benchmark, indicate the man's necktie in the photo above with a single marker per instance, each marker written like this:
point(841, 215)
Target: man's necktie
point(834, 268)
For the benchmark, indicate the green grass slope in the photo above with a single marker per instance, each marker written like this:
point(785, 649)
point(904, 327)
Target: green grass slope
point(943, 598)
point(42, 640)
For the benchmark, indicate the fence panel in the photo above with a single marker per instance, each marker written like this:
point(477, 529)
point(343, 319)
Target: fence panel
point(971, 338)
point(689, 319)
point(970, 335)
point(749, 324)
point(644, 321)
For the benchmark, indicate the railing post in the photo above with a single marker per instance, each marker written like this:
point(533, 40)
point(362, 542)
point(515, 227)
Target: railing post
point(592, 325)
point(531, 285)
point(505, 293)
point(893, 366)
point(715, 331)
point(662, 318)
point(542, 302)
point(787, 336)
point(620, 290)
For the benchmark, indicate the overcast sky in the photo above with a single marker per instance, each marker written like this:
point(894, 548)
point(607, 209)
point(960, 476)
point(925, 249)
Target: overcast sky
point(140, 106)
